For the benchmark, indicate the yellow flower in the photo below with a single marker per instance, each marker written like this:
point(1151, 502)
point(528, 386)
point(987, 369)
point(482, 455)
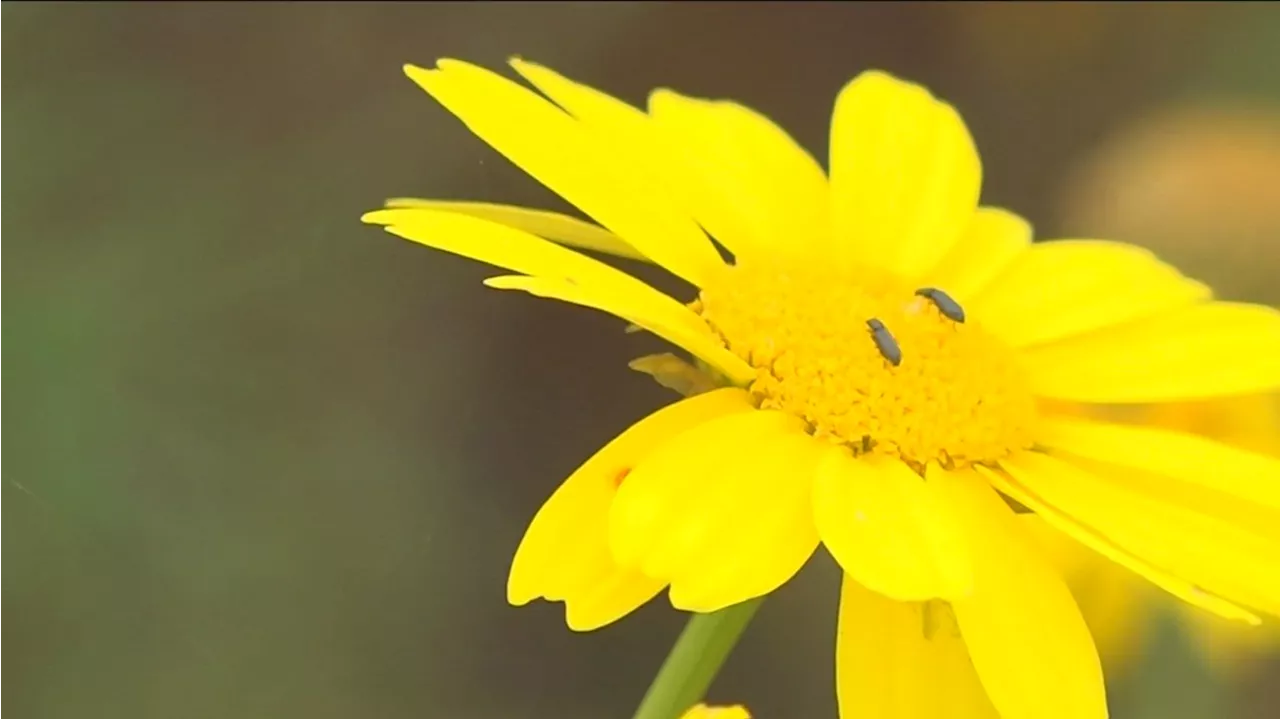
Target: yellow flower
point(702, 711)
point(892, 352)
point(1115, 606)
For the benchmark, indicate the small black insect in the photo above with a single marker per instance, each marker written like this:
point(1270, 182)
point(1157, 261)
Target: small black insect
point(885, 342)
point(945, 303)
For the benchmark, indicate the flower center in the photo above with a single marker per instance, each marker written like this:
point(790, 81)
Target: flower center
point(823, 342)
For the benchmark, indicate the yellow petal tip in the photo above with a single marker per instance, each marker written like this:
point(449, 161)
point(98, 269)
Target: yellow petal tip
point(519, 594)
point(702, 711)
point(376, 217)
point(506, 282)
point(524, 585)
point(400, 203)
point(421, 75)
point(877, 76)
point(430, 78)
point(687, 600)
point(660, 95)
point(531, 71)
point(1241, 614)
point(681, 598)
point(579, 623)
point(445, 64)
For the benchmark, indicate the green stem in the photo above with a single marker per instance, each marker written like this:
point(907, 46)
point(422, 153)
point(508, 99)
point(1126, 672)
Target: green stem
point(695, 660)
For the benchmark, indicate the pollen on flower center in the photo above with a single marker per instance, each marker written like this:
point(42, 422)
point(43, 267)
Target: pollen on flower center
point(958, 396)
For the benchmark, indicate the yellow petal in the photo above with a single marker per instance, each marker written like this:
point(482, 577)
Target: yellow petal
point(583, 166)
point(702, 711)
point(660, 511)
point(744, 178)
point(699, 341)
point(1246, 475)
point(1028, 642)
point(1063, 552)
point(750, 529)
point(713, 166)
point(1068, 287)
point(905, 175)
point(990, 242)
point(608, 593)
point(564, 555)
point(1224, 483)
point(561, 229)
point(1089, 537)
point(1212, 349)
point(1215, 555)
point(888, 528)
point(903, 660)
point(507, 247)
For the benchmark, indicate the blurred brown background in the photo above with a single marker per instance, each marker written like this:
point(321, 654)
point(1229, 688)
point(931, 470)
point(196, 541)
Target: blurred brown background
point(267, 462)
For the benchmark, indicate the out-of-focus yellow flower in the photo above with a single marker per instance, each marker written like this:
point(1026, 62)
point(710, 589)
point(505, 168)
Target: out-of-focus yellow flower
point(702, 711)
point(1199, 184)
point(891, 355)
point(1117, 606)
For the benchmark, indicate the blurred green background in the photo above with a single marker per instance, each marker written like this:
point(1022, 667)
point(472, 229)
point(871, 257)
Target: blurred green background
point(267, 462)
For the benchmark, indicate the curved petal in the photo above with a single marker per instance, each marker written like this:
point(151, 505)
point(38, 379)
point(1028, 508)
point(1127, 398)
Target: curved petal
point(1249, 476)
point(564, 555)
point(751, 530)
point(1219, 556)
point(991, 241)
point(744, 178)
point(684, 498)
point(903, 660)
point(1028, 642)
point(1209, 350)
point(888, 528)
point(587, 168)
point(698, 341)
point(497, 244)
point(1087, 537)
point(561, 229)
point(905, 175)
point(1067, 287)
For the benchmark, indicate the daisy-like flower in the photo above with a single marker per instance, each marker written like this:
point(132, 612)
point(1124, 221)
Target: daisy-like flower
point(1118, 606)
point(891, 354)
